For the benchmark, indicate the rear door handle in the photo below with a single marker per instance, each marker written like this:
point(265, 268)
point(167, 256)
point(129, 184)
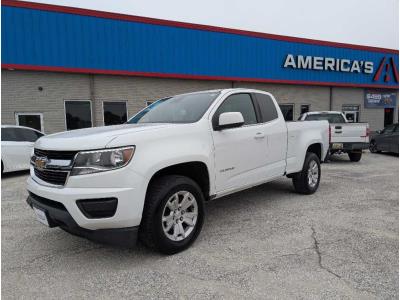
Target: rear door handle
point(259, 135)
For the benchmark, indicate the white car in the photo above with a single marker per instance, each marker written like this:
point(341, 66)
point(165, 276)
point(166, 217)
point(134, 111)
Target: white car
point(151, 177)
point(16, 147)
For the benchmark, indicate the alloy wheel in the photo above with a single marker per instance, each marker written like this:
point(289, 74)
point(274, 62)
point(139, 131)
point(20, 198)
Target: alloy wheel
point(179, 216)
point(312, 174)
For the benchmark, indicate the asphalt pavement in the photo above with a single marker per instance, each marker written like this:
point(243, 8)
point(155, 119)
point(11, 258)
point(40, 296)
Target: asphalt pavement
point(264, 243)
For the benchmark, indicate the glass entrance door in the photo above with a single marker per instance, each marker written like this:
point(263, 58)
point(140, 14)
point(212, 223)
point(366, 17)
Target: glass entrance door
point(388, 116)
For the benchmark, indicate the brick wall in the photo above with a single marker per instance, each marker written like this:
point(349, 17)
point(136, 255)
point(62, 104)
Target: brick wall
point(20, 93)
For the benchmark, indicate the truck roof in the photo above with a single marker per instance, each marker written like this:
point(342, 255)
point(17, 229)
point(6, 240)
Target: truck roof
point(323, 112)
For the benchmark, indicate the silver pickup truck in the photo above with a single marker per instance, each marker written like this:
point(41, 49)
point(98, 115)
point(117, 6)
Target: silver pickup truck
point(345, 137)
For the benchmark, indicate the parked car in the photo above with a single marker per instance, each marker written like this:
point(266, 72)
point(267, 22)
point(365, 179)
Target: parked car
point(150, 177)
point(385, 140)
point(346, 137)
point(16, 147)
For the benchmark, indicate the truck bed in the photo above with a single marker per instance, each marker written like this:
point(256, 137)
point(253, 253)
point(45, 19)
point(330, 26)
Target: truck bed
point(298, 134)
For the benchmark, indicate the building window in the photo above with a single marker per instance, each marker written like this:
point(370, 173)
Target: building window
point(304, 108)
point(32, 120)
point(351, 112)
point(287, 111)
point(78, 114)
point(114, 112)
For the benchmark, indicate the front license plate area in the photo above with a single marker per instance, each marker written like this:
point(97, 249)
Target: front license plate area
point(337, 146)
point(41, 216)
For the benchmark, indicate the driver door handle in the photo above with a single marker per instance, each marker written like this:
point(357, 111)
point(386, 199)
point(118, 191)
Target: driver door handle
point(259, 135)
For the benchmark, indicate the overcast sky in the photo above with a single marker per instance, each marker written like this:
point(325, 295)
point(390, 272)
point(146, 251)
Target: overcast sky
point(363, 22)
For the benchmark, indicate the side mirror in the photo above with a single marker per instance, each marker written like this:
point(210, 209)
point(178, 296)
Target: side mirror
point(379, 131)
point(230, 120)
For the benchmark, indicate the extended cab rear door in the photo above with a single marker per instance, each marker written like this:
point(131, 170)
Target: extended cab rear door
point(275, 131)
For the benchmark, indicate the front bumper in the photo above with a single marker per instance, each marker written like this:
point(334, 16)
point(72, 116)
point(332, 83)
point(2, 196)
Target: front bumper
point(128, 187)
point(57, 215)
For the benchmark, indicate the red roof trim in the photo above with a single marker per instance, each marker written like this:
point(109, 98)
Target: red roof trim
point(109, 15)
point(185, 76)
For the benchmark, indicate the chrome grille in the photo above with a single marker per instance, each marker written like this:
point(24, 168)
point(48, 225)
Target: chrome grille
point(50, 154)
point(53, 177)
point(57, 168)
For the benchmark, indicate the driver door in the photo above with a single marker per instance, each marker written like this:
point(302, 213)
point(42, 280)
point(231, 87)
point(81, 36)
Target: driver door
point(240, 153)
point(385, 138)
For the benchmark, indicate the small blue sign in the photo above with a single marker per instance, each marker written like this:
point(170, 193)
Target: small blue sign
point(379, 99)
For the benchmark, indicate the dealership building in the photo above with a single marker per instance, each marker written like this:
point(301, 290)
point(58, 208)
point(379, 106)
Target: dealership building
point(65, 68)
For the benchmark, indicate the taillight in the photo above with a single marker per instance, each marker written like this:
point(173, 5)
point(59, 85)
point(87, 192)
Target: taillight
point(367, 132)
point(330, 133)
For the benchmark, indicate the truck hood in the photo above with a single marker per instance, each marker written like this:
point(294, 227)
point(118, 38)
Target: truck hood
point(91, 138)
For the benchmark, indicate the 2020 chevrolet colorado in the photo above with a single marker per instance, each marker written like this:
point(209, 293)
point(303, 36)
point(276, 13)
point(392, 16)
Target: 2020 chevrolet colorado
point(151, 176)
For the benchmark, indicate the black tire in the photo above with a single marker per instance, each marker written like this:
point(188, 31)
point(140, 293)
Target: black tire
point(355, 156)
point(373, 148)
point(151, 232)
point(300, 180)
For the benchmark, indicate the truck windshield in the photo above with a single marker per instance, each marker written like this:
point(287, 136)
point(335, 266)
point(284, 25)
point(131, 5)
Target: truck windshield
point(187, 108)
point(331, 118)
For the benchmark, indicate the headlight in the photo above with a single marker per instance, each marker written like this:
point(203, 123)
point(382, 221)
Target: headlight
point(88, 162)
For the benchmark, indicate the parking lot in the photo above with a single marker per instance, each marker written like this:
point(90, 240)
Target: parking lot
point(267, 242)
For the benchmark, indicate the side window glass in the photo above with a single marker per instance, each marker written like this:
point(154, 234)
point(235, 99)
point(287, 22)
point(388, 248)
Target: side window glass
point(267, 107)
point(239, 103)
point(26, 135)
point(8, 135)
point(388, 129)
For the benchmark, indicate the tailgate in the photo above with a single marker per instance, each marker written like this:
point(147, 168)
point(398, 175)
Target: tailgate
point(350, 133)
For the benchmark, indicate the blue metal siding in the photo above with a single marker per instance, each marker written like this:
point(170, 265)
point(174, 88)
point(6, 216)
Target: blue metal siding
point(55, 39)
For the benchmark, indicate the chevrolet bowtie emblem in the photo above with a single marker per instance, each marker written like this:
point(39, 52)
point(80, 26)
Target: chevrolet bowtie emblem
point(41, 162)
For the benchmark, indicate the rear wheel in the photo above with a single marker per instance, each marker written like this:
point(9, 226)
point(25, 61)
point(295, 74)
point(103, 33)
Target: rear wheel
point(173, 214)
point(307, 181)
point(355, 156)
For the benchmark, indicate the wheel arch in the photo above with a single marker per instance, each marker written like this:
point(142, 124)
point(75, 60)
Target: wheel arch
point(315, 148)
point(195, 170)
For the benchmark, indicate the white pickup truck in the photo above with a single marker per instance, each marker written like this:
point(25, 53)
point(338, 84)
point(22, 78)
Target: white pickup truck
point(151, 176)
point(346, 137)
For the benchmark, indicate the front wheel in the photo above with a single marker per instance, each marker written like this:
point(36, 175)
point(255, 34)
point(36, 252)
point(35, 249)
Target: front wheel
point(173, 214)
point(373, 148)
point(307, 180)
point(355, 156)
